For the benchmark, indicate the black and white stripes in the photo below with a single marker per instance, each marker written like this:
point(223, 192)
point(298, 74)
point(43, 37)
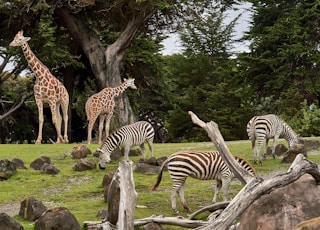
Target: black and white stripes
point(126, 137)
point(263, 128)
point(203, 165)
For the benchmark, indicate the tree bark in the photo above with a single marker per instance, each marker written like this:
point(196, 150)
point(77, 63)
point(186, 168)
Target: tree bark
point(122, 197)
point(256, 186)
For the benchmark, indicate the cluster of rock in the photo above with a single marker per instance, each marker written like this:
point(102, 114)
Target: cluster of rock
point(33, 210)
point(290, 154)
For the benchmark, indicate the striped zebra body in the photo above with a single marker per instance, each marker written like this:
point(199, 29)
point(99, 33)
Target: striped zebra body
point(203, 165)
point(262, 128)
point(126, 137)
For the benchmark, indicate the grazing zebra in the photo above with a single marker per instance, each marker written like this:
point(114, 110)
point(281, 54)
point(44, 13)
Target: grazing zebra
point(203, 165)
point(263, 128)
point(126, 137)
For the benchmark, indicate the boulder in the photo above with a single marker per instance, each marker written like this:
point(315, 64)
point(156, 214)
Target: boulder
point(147, 169)
point(37, 163)
point(85, 164)
point(80, 151)
point(135, 152)
point(105, 183)
point(31, 209)
point(312, 224)
point(152, 226)
point(289, 156)
point(8, 223)
point(284, 207)
point(279, 151)
point(7, 169)
point(150, 161)
point(57, 218)
point(19, 163)
point(49, 169)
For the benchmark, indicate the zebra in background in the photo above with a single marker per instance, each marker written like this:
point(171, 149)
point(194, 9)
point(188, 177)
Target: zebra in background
point(126, 137)
point(203, 165)
point(263, 128)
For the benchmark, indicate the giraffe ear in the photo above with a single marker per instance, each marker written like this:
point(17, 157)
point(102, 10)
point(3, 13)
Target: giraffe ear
point(124, 79)
point(27, 38)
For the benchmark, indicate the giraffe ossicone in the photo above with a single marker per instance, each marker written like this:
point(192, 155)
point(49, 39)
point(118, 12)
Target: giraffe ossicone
point(47, 89)
point(102, 105)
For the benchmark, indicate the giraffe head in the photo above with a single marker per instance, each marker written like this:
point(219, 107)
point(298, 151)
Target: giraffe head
point(130, 83)
point(19, 39)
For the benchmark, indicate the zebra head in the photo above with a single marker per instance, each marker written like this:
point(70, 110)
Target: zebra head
point(104, 158)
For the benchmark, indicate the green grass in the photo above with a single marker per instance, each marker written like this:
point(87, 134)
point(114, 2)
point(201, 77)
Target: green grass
point(82, 192)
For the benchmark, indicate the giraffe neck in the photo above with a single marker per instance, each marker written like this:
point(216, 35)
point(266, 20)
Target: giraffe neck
point(120, 89)
point(35, 64)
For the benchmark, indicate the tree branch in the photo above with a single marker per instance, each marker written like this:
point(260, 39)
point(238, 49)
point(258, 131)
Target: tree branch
point(15, 107)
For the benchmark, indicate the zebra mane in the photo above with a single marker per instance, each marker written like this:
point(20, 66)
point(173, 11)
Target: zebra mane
point(242, 160)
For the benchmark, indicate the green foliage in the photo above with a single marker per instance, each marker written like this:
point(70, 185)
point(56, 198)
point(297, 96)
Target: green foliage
point(283, 53)
point(306, 122)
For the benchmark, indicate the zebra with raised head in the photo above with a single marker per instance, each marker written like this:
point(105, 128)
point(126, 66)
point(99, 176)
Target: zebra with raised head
point(203, 165)
point(263, 128)
point(126, 137)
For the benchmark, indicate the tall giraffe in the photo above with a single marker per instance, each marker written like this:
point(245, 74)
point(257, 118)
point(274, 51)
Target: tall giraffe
point(47, 89)
point(102, 105)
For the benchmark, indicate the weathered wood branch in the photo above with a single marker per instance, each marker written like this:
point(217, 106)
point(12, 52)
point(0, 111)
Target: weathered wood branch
point(178, 221)
point(210, 208)
point(255, 187)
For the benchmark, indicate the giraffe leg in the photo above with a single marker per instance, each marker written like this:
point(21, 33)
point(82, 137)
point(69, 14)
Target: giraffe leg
point(108, 119)
point(40, 111)
point(101, 122)
point(91, 120)
point(64, 107)
point(58, 124)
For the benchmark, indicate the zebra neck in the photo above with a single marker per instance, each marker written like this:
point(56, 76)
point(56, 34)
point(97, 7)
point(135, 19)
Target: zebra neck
point(289, 134)
point(111, 143)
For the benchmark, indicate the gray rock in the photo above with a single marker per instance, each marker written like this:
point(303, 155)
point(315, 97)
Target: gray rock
point(37, 163)
point(31, 209)
point(57, 218)
point(8, 223)
point(7, 169)
point(85, 164)
point(284, 207)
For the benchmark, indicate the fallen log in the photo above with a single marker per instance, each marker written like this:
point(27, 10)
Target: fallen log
point(178, 221)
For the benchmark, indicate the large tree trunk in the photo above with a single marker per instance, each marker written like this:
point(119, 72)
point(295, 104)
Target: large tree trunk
point(106, 62)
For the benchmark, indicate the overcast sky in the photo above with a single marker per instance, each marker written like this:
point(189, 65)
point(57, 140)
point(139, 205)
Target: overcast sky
point(172, 44)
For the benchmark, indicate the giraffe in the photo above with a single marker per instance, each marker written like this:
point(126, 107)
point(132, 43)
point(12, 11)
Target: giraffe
point(102, 105)
point(47, 89)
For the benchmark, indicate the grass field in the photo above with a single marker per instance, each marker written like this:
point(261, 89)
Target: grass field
point(82, 192)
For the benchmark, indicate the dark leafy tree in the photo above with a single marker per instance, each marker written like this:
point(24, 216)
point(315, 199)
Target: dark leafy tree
point(283, 63)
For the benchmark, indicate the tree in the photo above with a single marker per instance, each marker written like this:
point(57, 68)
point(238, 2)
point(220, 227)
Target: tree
point(282, 64)
point(205, 78)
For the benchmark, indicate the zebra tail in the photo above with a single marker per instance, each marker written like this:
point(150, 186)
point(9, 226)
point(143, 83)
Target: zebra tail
point(159, 178)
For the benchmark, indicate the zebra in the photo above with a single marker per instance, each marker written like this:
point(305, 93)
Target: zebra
point(126, 137)
point(265, 127)
point(203, 165)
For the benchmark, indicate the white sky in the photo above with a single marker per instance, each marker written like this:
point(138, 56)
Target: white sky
point(172, 44)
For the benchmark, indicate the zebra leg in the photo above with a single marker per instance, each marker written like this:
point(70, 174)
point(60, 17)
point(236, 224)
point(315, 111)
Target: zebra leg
point(216, 190)
point(265, 149)
point(143, 149)
point(225, 187)
point(126, 150)
point(183, 200)
point(150, 144)
point(174, 201)
point(275, 139)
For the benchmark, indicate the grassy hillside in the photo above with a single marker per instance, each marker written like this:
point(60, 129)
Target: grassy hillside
point(82, 192)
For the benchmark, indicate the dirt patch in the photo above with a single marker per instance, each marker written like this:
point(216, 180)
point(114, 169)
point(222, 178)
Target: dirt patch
point(11, 209)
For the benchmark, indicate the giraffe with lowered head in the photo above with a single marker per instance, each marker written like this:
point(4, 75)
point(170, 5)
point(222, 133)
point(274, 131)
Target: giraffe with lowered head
point(102, 105)
point(47, 89)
